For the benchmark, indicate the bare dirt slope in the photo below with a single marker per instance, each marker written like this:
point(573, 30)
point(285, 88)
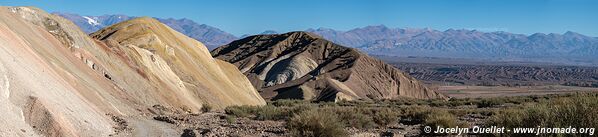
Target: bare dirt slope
point(181, 67)
point(57, 81)
point(303, 65)
point(46, 90)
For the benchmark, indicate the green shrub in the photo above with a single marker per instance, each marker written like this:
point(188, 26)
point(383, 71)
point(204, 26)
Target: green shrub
point(490, 102)
point(316, 123)
point(330, 104)
point(268, 112)
point(240, 111)
point(300, 108)
point(360, 103)
point(271, 113)
point(507, 118)
point(437, 103)
point(578, 111)
point(288, 102)
point(384, 117)
point(414, 115)
point(230, 119)
point(443, 119)
point(354, 117)
point(460, 102)
point(461, 112)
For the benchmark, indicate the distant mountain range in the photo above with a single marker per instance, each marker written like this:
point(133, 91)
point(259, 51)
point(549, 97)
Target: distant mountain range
point(267, 32)
point(210, 36)
point(568, 48)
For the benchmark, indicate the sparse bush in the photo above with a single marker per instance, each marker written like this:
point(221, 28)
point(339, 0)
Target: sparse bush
point(414, 115)
point(305, 118)
point(300, 108)
point(507, 118)
point(354, 118)
point(230, 119)
point(271, 113)
point(443, 119)
point(384, 117)
point(437, 103)
point(486, 112)
point(460, 112)
point(206, 108)
point(519, 100)
point(240, 111)
point(360, 103)
point(330, 104)
point(460, 102)
point(490, 102)
point(314, 123)
point(268, 112)
point(480, 111)
point(288, 102)
point(579, 111)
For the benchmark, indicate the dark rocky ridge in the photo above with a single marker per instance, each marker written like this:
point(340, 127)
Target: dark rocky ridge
point(303, 65)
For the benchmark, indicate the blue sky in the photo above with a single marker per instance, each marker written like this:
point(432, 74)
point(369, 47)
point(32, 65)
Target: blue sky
point(254, 16)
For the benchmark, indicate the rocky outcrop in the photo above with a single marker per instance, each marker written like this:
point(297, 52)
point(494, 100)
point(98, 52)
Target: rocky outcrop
point(302, 65)
point(55, 80)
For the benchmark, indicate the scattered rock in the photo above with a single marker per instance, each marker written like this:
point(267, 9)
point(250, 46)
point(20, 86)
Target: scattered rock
point(386, 134)
point(161, 110)
point(121, 124)
point(190, 133)
point(166, 119)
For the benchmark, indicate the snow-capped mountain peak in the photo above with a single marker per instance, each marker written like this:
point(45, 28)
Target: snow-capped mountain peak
point(92, 21)
point(212, 37)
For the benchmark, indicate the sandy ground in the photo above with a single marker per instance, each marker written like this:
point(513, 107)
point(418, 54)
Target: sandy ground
point(499, 91)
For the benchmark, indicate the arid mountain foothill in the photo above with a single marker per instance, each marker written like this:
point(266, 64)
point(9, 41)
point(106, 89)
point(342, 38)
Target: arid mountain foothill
point(166, 57)
point(57, 81)
point(301, 65)
point(202, 68)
